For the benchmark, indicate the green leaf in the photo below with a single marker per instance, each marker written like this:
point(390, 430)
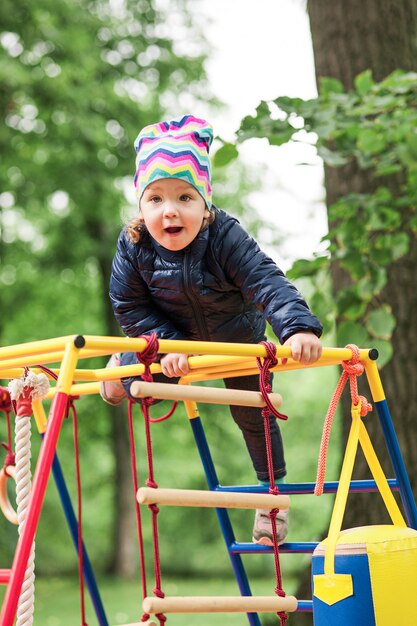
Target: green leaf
point(352, 332)
point(306, 267)
point(371, 141)
point(328, 85)
point(364, 82)
point(380, 323)
point(225, 155)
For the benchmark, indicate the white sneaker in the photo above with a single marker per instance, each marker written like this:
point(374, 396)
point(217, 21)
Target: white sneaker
point(262, 529)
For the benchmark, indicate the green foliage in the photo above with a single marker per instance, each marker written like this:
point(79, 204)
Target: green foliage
point(78, 81)
point(373, 128)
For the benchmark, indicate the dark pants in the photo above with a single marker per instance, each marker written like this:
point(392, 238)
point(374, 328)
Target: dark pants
point(249, 420)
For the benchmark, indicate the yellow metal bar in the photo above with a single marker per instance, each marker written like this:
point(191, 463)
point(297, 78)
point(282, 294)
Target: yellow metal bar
point(34, 347)
point(39, 415)
point(69, 362)
point(342, 490)
point(191, 409)
point(32, 359)
point(374, 381)
point(380, 479)
point(333, 355)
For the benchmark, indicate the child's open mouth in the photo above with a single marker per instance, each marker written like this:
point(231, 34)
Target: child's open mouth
point(172, 230)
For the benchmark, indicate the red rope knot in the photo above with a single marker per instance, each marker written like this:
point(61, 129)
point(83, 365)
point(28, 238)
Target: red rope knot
point(273, 514)
point(264, 374)
point(151, 483)
point(282, 617)
point(158, 592)
point(9, 460)
point(145, 617)
point(148, 355)
point(154, 508)
point(162, 618)
point(10, 457)
point(353, 366)
point(5, 400)
point(274, 490)
point(280, 592)
point(71, 406)
point(366, 407)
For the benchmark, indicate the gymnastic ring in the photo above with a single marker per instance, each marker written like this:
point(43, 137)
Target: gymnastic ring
point(5, 505)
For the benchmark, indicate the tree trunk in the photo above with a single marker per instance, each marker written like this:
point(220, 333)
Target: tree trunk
point(348, 38)
point(124, 559)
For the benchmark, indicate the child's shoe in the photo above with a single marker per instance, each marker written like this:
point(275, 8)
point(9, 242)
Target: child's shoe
point(112, 391)
point(262, 529)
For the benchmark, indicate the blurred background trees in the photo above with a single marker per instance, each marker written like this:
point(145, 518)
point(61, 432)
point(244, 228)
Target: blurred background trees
point(77, 82)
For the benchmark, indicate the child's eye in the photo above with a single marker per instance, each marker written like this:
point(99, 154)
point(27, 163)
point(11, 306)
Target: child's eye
point(155, 199)
point(185, 197)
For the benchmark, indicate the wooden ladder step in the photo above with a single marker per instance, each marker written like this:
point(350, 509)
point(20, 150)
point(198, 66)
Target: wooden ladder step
point(211, 395)
point(216, 499)
point(220, 604)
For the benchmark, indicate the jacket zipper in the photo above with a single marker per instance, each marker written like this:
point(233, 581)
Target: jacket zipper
point(190, 295)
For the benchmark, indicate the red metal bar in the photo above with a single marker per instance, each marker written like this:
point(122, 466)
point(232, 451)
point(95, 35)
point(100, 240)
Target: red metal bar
point(5, 576)
point(40, 481)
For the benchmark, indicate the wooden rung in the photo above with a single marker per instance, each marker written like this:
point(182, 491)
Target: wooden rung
point(5, 576)
point(217, 499)
point(221, 604)
point(211, 395)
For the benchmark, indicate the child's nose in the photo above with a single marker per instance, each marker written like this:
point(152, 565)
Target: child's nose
point(170, 208)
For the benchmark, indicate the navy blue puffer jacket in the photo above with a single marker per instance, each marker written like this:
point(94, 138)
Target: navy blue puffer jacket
point(220, 288)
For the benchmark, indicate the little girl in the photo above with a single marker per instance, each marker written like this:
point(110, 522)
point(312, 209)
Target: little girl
point(185, 269)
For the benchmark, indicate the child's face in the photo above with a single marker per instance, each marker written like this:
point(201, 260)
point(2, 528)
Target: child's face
point(173, 212)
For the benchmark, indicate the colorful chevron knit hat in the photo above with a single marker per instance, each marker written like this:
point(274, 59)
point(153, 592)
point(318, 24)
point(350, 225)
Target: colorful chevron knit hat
point(175, 149)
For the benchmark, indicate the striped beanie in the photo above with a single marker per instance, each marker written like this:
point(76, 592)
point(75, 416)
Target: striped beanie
point(175, 149)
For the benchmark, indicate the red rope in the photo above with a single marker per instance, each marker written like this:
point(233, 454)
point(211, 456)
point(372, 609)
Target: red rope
point(265, 388)
point(71, 407)
point(6, 407)
point(264, 368)
point(79, 502)
point(147, 357)
point(145, 616)
point(351, 370)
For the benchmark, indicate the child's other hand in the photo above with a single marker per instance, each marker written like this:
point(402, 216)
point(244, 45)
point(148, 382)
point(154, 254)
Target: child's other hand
point(305, 347)
point(174, 365)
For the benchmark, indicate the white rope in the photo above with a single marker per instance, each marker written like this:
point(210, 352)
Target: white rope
point(39, 385)
point(26, 605)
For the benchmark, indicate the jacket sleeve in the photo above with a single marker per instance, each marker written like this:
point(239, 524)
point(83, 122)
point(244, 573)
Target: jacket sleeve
point(132, 304)
point(262, 282)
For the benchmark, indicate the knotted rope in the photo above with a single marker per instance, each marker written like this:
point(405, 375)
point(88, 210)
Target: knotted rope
point(6, 407)
point(80, 544)
point(22, 391)
point(265, 388)
point(147, 357)
point(351, 370)
point(9, 467)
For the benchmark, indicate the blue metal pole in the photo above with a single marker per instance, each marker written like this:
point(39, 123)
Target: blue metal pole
point(397, 462)
point(73, 528)
point(222, 514)
point(356, 486)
